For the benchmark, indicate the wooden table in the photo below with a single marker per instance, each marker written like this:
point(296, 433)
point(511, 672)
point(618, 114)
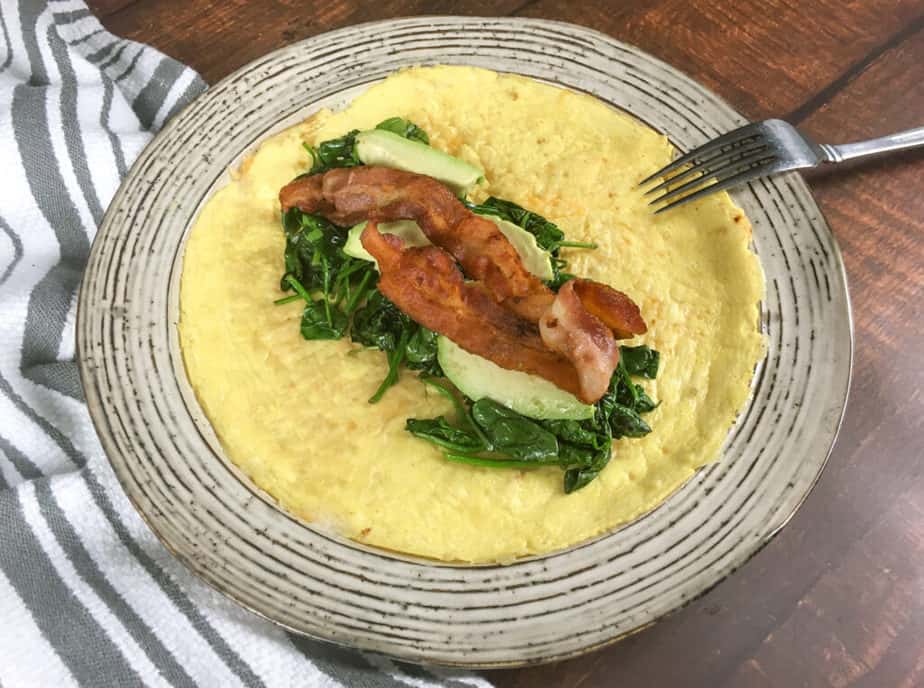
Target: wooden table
point(837, 599)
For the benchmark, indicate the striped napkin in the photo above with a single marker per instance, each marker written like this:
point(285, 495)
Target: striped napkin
point(87, 594)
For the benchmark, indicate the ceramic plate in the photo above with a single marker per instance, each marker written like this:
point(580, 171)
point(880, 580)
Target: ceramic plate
point(541, 609)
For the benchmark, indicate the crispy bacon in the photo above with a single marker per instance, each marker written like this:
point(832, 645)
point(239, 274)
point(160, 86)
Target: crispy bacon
point(568, 328)
point(347, 196)
point(617, 311)
point(507, 314)
point(425, 283)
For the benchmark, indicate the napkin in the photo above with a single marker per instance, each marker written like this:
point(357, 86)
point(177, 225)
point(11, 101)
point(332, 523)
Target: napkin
point(88, 596)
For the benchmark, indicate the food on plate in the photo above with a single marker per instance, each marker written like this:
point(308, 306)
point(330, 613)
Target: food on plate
point(500, 293)
point(506, 352)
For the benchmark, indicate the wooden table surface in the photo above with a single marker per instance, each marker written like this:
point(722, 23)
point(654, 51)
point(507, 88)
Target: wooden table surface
point(837, 599)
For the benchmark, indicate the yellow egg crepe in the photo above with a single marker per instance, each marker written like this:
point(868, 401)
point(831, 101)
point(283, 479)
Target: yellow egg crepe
point(293, 414)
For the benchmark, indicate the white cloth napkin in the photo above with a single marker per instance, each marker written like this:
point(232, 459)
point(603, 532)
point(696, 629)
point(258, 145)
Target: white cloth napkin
point(87, 594)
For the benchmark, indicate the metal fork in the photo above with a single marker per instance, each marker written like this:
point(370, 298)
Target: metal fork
point(757, 150)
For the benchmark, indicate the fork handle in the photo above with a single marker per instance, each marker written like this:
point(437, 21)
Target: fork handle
point(903, 140)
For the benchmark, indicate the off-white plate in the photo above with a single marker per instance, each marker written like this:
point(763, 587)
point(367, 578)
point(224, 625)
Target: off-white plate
point(546, 608)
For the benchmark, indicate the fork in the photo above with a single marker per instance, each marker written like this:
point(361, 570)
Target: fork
point(758, 150)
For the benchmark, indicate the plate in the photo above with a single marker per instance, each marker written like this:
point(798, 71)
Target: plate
point(209, 515)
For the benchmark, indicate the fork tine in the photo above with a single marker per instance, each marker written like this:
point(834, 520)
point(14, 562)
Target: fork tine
point(741, 177)
point(714, 164)
point(735, 136)
point(761, 157)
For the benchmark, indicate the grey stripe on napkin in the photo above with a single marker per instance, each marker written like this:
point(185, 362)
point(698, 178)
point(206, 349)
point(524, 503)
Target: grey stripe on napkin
point(87, 594)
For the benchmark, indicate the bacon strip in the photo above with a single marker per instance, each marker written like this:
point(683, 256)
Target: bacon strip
point(425, 283)
point(617, 311)
point(347, 196)
point(568, 328)
point(507, 315)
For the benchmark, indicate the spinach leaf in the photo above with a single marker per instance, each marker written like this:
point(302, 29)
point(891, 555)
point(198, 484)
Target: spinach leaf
point(439, 432)
point(421, 352)
point(313, 250)
point(625, 401)
point(341, 152)
point(623, 390)
point(643, 402)
point(626, 422)
point(558, 278)
point(395, 359)
point(463, 414)
point(380, 324)
point(488, 462)
point(488, 427)
point(576, 478)
point(640, 360)
point(512, 434)
point(404, 128)
point(321, 274)
point(585, 448)
point(574, 432)
point(548, 235)
point(321, 321)
point(491, 435)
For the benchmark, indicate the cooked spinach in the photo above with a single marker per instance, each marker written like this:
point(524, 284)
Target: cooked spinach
point(513, 435)
point(313, 250)
point(440, 432)
point(340, 297)
point(548, 235)
point(488, 427)
point(463, 437)
point(341, 152)
point(558, 276)
point(640, 360)
point(380, 324)
point(320, 273)
point(421, 352)
point(404, 128)
point(320, 320)
point(489, 434)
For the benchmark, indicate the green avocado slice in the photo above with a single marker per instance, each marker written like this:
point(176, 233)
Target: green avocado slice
point(529, 395)
point(386, 149)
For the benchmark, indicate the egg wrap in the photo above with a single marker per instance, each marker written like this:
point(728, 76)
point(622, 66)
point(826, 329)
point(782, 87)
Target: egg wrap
point(294, 414)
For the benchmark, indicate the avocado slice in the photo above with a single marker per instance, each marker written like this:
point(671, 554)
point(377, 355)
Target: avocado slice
point(380, 147)
point(535, 259)
point(528, 395)
point(406, 229)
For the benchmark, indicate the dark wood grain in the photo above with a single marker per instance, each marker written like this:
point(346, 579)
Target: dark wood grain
point(837, 599)
point(764, 57)
point(218, 36)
